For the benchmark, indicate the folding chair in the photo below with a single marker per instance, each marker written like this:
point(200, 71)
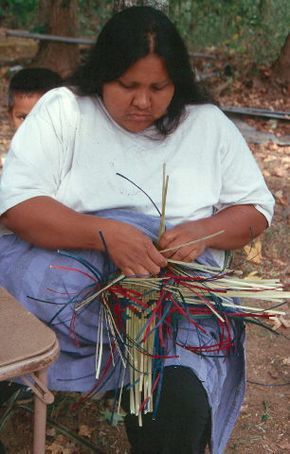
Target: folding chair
point(27, 348)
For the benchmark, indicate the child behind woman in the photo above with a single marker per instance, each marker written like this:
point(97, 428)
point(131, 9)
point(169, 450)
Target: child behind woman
point(25, 89)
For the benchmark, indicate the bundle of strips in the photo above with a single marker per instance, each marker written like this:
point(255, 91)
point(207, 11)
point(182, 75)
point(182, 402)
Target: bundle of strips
point(140, 316)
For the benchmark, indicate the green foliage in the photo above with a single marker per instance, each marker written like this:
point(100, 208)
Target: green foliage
point(254, 28)
point(265, 416)
point(19, 11)
point(94, 14)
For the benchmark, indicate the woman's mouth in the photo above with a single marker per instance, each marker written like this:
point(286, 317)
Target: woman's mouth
point(140, 117)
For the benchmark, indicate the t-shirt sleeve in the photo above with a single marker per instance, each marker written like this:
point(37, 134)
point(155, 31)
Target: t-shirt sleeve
point(242, 179)
point(41, 150)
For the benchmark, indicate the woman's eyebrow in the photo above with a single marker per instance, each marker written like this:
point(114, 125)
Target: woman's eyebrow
point(162, 83)
point(136, 82)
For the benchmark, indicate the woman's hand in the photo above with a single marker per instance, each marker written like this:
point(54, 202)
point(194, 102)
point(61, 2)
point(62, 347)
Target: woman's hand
point(231, 228)
point(132, 252)
point(183, 233)
point(46, 223)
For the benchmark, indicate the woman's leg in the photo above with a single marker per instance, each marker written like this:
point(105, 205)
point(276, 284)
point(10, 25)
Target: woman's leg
point(183, 419)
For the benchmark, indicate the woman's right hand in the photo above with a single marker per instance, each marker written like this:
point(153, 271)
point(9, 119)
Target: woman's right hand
point(132, 252)
point(46, 223)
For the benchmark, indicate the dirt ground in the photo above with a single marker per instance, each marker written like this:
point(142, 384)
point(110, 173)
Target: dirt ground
point(264, 422)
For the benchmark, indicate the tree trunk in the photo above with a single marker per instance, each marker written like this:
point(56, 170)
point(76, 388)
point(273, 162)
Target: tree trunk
point(163, 5)
point(59, 18)
point(281, 66)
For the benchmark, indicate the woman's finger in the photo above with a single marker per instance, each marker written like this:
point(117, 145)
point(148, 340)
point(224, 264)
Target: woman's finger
point(187, 254)
point(167, 239)
point(127, 271)
point(156, 257)
point(180, 254)
point(138, 271)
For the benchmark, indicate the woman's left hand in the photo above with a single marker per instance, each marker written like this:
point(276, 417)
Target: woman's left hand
point(179, 235)
point(231, 228)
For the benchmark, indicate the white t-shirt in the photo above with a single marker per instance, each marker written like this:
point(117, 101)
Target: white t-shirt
point(70, 149)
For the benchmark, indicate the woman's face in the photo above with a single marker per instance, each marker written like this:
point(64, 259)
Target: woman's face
point(141, 95)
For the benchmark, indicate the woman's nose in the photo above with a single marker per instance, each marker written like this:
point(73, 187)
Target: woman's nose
point(142, 99)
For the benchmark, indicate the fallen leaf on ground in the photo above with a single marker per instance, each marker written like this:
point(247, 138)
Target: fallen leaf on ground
point(286, 361)
point(254, 251)
point(279, 172)
point(285, 445)
point(252, 275)
point(274, 375)
point(279, 321)
point(86, 431)
point(281, 198)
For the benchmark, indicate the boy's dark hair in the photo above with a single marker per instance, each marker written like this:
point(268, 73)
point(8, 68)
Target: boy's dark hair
point(133, 34)
point(32, 80)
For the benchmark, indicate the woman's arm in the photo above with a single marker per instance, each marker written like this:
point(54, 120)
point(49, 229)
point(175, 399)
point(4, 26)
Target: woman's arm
point(240, 223)
point(44, 222)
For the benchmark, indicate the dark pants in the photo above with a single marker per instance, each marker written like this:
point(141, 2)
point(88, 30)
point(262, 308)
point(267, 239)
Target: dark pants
point(183, 420)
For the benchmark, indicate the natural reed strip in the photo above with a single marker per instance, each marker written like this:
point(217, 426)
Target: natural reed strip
point(121, 390)
point(99, 345)
point(188, 298)
point(95, 295)
point(141, 382)
point(205, 268)
point(247, 308)
point(150, 343)
point(130, 335)
point(115, 332)
point(216, 285)
point(165, 181)
point(174, 248)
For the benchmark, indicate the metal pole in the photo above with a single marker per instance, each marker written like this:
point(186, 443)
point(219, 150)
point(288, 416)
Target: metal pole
point(44, 37)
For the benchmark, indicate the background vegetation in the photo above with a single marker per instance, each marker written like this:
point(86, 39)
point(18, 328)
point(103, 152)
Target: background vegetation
point(254, 28)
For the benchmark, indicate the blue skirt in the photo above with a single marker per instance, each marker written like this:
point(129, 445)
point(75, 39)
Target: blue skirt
point(48, 282)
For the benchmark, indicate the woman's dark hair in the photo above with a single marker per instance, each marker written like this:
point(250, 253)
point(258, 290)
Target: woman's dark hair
point(133, 34)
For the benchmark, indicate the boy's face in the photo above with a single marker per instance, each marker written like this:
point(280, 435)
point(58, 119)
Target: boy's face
point(22, 105)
